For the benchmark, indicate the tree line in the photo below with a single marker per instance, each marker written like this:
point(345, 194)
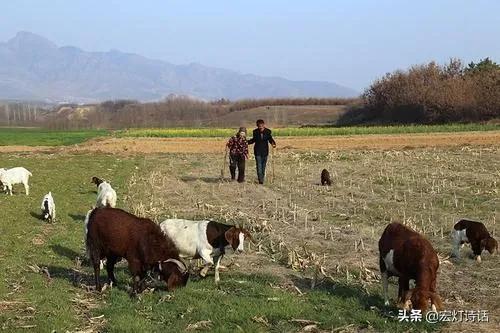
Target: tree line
point(433, 93)
point(427, 93)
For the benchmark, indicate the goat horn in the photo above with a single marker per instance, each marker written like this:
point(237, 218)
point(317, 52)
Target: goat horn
point(180, 264)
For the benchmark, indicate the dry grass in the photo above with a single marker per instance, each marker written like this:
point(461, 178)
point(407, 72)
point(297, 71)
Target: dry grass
point(332, 232)
point(128, 146)
point(282, 115)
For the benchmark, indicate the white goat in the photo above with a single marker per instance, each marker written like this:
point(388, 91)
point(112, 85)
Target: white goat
point(106, 196)
point(14, 176)
point(1, 171)
point(48, 207)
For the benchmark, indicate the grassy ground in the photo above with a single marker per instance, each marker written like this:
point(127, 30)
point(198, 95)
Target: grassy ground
point(45, 137)
point(44, 279)
point(29, 297)
point(308, 131)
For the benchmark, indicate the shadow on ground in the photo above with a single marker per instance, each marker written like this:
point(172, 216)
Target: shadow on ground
point(77, 217)
point(65, 252)
point(211, 180)
point(36, 215)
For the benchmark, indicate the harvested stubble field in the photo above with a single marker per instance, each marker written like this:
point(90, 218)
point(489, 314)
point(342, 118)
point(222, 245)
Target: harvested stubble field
point(316, 258)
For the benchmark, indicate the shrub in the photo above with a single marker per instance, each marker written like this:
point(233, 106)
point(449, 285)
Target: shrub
point(431, 93)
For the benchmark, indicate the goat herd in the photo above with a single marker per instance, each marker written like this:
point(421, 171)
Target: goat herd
point(113, 234)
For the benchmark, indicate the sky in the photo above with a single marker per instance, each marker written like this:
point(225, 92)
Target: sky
point(346, 42)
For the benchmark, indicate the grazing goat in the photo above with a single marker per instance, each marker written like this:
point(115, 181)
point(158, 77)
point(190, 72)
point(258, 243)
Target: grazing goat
point(325, 178)
point(204, 239)
point(475, 233)
point(48, 208)
point(113, 233)
point(106, 195)
point(97, 181)
point(408, 255)
point(86, 225)
point(1, 171)
point(15, 176)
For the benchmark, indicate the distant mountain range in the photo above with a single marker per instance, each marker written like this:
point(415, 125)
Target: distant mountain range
point(34, 68)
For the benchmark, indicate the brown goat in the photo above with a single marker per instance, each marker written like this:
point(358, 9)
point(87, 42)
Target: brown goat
point(113, 233)
point(325, 178)
point(408, 255)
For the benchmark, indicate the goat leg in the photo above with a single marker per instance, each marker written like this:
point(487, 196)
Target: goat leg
point(217, 266)
point(97, 272)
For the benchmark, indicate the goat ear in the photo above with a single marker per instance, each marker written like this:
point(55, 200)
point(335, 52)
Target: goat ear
point(248, 236)
point(231, 235)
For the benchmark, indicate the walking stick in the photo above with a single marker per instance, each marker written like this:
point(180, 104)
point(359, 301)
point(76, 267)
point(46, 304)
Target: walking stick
point(272, 163)
point(223, 164)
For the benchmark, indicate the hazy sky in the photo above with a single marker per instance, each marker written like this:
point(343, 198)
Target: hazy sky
point(347, 42)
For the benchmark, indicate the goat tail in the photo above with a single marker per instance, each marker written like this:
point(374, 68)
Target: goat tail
point(91, 244)
point(86, 222)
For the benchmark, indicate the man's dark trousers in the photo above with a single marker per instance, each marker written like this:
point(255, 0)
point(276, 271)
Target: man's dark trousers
point(261, 161)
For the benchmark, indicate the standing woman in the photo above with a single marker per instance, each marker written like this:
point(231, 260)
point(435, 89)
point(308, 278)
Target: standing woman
point(238, 153)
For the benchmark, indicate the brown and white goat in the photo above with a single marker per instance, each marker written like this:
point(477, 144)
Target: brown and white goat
point(475, 233)
point(408, 255)
point(113, 233)
point(204, 239)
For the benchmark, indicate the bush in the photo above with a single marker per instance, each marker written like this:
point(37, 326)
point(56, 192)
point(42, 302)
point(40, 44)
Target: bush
point(432, 93)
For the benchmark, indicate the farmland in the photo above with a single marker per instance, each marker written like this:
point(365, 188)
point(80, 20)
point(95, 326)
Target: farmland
point(309, 131)
point(315, 258)
point(44, 137)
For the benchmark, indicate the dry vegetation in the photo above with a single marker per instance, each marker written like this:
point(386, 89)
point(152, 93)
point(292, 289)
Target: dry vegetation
point(185, 112)
point(428, 93)
point(330, 233)
point(246, 104)
point(282, 115)
point(216, 145)
point(431, 93)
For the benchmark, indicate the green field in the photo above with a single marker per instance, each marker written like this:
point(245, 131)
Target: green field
point(308, 131)
point(44, 274)
point(44, 137)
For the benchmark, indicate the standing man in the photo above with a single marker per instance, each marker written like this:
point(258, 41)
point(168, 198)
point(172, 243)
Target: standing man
point(238, 153)
point(261, 137)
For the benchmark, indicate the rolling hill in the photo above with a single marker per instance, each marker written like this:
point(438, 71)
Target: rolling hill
point(34, 68)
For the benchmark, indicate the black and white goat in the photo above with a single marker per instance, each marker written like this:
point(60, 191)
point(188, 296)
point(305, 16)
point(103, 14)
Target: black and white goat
point(48, 208)
point(106, 195)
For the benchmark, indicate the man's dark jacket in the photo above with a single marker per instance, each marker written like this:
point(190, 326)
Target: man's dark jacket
point(261, 141)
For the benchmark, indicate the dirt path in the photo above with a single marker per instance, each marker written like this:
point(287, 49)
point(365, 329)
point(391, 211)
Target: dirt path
point(216, 145)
